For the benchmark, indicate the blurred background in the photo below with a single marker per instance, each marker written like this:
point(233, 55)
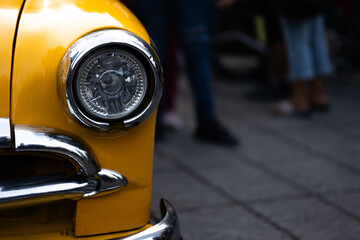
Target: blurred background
point(258, 133)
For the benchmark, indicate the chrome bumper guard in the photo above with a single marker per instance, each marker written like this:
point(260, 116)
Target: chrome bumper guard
point(89, 181)
point(167, 229)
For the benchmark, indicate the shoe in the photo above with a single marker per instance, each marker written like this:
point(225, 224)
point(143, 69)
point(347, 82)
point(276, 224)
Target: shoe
point(285, 108)
point(320, 107)
point(213, 132)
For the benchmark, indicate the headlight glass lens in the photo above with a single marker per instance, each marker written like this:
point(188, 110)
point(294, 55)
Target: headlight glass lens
point(111, 84)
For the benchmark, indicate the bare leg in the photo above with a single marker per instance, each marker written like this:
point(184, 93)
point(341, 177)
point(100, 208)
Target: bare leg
point(299, 98)
point(298, 103)
point(317, 91)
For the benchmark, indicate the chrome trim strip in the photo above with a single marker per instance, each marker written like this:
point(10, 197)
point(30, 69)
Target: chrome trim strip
point(167, 229)
point(51, 186)
point(91, 180)
point(5, 133)
point(110, 37)
point(40, 139)
point(39, 189)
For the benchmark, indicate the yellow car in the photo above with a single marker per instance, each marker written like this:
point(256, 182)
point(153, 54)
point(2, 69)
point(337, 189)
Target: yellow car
point(80, 81)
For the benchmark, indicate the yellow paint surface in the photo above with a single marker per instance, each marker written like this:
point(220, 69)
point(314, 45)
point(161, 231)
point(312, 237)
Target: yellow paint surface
point(69, 236)
point(8, 16)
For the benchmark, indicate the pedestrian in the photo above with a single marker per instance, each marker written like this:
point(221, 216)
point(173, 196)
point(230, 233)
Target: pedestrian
point(309, 63)
point(196, 21)
point(195, 25)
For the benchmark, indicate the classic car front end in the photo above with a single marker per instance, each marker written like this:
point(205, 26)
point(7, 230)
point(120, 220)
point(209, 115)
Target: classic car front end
point(80, 83)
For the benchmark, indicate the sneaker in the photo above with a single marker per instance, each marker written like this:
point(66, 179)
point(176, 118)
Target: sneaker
point(214, 132)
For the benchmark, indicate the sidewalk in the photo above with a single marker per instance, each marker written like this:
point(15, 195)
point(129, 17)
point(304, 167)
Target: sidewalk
point(290, 178)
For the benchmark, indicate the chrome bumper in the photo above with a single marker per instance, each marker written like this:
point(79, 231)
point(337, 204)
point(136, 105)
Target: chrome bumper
point(167, 229)
point(91, 179)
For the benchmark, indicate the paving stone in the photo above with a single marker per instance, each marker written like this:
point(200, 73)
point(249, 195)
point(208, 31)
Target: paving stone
point(193, 153)
point(161, 163)
point(319, 176)
point(265, 148)
point(351, 202)
point(311, 220)
point(350, 128)
point(226, 223)
point(299, 166)
point(320, 139)
point(182, 191)
point(247, 183)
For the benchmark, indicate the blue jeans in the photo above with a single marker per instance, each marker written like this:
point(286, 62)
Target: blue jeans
point(196, 22)
point(306, 48)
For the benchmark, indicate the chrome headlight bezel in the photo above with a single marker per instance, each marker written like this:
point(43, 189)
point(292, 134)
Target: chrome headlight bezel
point(103, 40)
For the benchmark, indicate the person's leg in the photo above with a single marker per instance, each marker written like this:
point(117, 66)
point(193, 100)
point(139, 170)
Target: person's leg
point(318, 97)
point(299, 99)
point(194, 33)
point(171, 119)
point(277, 64)
point(321, 62)
point(172, 67)
point(195, 23)
point(297, 37)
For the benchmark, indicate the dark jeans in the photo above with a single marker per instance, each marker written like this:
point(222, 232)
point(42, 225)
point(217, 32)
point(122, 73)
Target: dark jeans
point(196, 22)
point(195, 25)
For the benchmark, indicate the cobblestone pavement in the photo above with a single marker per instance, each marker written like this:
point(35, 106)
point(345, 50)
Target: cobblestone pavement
point(290, 179)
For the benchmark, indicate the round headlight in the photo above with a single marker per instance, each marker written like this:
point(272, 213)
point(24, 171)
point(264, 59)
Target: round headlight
point(111, 84)
point(110, 79)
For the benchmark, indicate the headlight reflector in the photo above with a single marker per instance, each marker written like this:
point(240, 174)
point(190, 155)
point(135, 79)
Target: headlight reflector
point(111, 84)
